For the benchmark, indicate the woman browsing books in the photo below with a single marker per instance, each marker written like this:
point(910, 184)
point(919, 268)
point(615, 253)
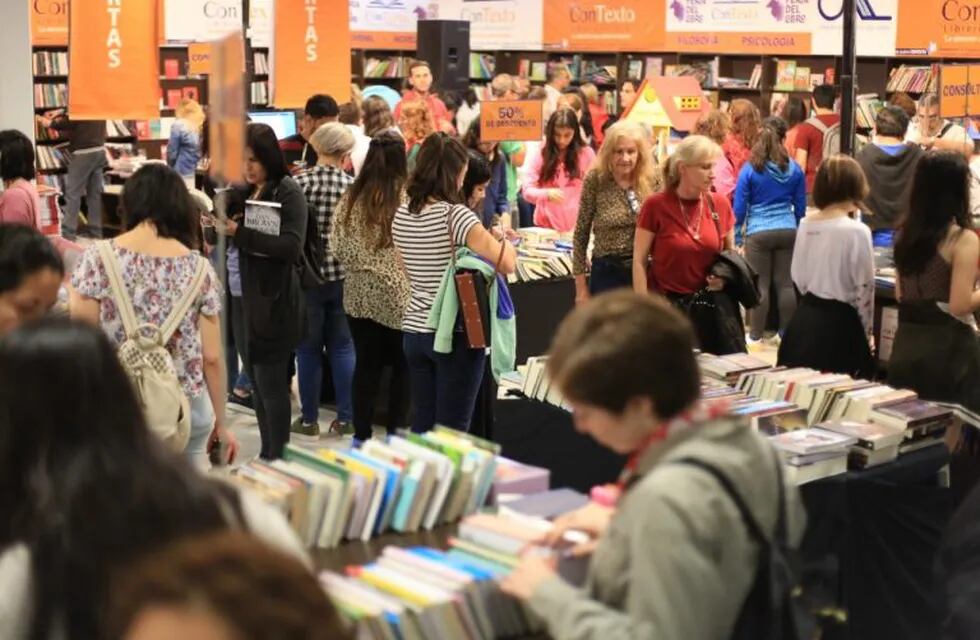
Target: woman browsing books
point(625, 364)
point(623, 177)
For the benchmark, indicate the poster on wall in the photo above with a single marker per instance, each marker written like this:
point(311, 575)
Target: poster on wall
point(389, 24)
point(49, 23)
point(201, 20)
point(498, 24)
point(800, 27)
point(598, 25)
point(938, 28)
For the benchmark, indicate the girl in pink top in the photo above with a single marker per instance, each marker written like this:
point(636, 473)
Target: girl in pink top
point(19, 202)
point(554, 182)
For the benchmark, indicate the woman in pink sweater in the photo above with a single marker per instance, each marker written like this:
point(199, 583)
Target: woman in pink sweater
point(554, 182)
point(19, 202)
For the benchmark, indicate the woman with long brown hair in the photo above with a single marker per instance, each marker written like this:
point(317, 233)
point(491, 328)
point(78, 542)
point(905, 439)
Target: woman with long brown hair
point(416, 124)
point(554, 181)
point(375, 288)
point(376, 116)
point(746, 127)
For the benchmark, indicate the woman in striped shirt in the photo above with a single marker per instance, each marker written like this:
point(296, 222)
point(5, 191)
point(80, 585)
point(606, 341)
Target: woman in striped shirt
point(426, 232)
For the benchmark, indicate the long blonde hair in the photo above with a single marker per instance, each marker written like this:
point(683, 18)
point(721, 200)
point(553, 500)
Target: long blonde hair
point(416, 122)
point(692, 150)
point(190, 110)
point(644, 173)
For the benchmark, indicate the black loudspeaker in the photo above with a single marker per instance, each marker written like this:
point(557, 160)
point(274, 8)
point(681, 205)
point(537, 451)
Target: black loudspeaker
point(445, 45)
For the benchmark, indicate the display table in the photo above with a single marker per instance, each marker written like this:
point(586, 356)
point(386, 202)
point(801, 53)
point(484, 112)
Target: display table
point(882, 526)
point(540, 306)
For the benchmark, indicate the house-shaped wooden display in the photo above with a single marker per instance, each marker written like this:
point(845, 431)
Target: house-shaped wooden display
point(667, 102)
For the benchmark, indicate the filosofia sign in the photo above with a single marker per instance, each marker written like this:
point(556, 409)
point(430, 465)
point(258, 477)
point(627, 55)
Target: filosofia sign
point(201, 20)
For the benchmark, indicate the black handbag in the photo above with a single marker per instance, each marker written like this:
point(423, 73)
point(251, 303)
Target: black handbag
point(473, 293)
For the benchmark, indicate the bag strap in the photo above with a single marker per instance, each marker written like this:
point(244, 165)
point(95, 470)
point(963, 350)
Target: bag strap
point(779, 535)
point(818, 124)
point(183, 306)
point(119, 293)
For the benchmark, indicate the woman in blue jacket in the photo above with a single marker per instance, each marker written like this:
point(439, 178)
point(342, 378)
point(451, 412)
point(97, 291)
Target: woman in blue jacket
point(184, 146)
point(495, 206)
point(770, 199)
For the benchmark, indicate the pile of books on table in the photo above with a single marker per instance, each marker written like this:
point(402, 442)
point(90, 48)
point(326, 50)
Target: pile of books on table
point(421, 592)
point(406, 483)
point(542, 254)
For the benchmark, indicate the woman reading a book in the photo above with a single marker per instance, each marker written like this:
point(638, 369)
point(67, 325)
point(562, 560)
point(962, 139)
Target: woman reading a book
point(553, 183)
point(623, 177)
point(936, 253)
point(682, 229)
point(674, 559)
point(269, 244)
point(833, 267)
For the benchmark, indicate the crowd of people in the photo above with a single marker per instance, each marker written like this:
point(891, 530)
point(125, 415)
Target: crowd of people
point(376, 209)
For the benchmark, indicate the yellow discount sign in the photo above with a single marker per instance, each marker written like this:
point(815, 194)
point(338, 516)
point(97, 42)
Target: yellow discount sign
point(519, 120)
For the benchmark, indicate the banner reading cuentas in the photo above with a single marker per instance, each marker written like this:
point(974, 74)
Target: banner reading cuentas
point(311, 52)
point(114, 68)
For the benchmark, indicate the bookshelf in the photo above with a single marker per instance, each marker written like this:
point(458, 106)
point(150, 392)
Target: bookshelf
point(258, 88)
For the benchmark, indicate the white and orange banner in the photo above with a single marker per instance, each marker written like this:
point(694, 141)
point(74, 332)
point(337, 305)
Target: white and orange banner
point(311, 52)
point(114, 65)
point(49, 23)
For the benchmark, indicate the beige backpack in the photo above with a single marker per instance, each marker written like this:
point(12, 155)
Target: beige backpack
point(146, 360)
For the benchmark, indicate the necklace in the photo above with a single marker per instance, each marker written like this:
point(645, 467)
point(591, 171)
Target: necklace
point(696, 230)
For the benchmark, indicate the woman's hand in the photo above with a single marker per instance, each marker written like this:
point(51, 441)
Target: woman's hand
point(528, 576)
point(555, 195)
point(230, 227)
point(592, 520)
point(221, 434)
point(715, 283)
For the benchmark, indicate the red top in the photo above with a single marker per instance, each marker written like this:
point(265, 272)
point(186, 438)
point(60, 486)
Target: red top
point(679, 261)
point(599, 117)
point(810, 138)
point(736, 152)
point(440, 114)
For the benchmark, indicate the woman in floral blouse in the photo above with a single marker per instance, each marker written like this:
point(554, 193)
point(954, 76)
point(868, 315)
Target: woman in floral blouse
point(157, 265)
point(612, 194)
point(376, 288)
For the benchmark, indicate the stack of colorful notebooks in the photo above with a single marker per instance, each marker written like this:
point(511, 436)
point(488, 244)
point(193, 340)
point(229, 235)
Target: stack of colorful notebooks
point(404, 484)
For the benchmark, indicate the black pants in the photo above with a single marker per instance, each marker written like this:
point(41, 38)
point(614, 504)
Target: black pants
point(771, 255)
point(376, 346)
point(270, 397)
point(237, 330)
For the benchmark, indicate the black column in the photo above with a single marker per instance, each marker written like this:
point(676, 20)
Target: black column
point(847, 79)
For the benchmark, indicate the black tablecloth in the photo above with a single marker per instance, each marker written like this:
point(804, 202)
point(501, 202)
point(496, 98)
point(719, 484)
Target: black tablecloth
point(540, 307)
point(882, 526)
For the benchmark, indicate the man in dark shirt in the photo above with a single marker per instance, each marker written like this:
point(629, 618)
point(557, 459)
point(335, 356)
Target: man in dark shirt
point(299, 153)
point(86, 143)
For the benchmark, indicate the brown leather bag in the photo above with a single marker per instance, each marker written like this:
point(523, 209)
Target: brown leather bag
point(473, 292)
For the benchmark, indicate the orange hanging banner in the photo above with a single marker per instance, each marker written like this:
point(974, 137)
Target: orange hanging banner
point(114, 65)
point(227, 99)
point(49, 23)
point(511, 120)
point(311, 52)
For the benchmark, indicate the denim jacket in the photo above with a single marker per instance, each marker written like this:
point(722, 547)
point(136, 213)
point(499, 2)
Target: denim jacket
point(183, 148)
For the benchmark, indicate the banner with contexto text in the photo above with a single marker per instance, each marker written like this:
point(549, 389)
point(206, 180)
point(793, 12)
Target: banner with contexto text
point(260, 22)
point(114, 66)
point(604, 25)
point(201, 20)
point(49, 23)
point(498, 24)
point(311, 52)
point(939, 28)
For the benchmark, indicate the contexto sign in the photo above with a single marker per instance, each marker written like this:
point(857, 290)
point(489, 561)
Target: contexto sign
point(199, 58)
point(516, 120)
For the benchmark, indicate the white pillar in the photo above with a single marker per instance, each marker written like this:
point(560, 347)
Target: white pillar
point(17, 80)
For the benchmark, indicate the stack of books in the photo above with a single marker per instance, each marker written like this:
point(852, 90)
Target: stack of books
point(924, 424)
point(53, 157)
point(868, 106)
point(706, 73)
point(812, 454)
point(911, 79)
point(730, 368)
point(537, 385)
point(599, 74)
point(51, 180)
point(482, 66)
point(393, 67)
point(260, 61)
point(259, 92)
point(118, 129)
point(406, 483)
point(50, 95)
point(875, 443)
point(542, 254)
point(50, 63)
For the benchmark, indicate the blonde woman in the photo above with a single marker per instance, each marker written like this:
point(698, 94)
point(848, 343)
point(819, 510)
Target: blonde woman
point(682, 229)
point(416, 124)
point(622, 178)
point(184, 146)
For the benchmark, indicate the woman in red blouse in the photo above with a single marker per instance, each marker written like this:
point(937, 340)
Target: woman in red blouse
point(682, 229)
point(746, 126)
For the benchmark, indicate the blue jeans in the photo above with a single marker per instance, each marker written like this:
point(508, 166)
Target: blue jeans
point(610, 273)
point(327, 326)
point(202, 421)
point(444, 385)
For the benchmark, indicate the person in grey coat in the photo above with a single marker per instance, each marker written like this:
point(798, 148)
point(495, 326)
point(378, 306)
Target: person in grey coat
point(673, 560)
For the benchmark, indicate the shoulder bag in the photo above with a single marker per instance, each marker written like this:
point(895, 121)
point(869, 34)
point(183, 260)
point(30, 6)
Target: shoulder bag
point(473, 294)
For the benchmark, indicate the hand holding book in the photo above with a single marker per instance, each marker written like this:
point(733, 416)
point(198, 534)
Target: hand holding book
point(590, 522)
point(529, 575)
